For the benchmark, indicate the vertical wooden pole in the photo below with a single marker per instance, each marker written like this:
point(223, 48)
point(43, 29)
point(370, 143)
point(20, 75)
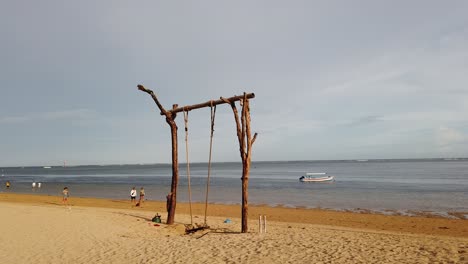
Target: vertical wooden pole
point(170, 119)
point(260, 223)
point(246, 145)
point(245, 139)
point(175, 168)
point(245, 196)
point(175, 177)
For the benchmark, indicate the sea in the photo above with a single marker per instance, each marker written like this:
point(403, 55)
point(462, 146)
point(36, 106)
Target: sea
point(437, 187)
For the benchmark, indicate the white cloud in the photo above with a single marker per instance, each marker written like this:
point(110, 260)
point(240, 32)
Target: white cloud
point(13, 119)
point(446, 137)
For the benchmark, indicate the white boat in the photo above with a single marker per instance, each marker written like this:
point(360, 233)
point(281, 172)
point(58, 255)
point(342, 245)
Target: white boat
point(315, 177)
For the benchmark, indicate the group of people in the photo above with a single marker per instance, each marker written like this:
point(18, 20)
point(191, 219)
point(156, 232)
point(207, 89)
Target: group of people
point(35, 185)
point(66, 194)
point(133, 195)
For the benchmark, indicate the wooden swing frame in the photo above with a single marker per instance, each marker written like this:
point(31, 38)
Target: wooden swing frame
point(243, 134)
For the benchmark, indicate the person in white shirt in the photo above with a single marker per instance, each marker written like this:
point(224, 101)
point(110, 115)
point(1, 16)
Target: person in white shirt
point(133, 195)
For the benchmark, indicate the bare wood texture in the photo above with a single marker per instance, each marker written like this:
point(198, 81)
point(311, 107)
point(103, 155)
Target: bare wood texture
point(170, 119)
point(175, 173)
point(209, 103)
point(245, 148)
point(153, 95)
point(238, 126)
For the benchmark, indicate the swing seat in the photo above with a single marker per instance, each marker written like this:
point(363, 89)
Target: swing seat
point(194, 228)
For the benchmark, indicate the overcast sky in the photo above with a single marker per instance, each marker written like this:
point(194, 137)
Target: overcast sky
point(332, 79)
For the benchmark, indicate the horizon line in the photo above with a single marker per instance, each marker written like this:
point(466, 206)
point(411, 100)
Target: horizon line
point(256, 161)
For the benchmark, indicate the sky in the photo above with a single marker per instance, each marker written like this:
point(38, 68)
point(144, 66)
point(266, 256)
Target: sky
point(332, 80)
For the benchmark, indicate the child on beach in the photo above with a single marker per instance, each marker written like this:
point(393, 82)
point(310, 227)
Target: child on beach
point(142, 197)
point(65, 195)
point(133, 195)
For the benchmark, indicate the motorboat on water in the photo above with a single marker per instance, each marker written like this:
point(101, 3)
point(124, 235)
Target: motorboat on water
point(316, 177)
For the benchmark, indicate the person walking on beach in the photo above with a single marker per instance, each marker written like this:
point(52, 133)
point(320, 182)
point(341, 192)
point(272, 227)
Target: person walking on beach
point(7, 184)
point(142, 197)
point(65, 195)
point(133, 195)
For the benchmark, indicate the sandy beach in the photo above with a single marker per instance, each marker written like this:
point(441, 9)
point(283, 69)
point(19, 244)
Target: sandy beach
point(39, 229)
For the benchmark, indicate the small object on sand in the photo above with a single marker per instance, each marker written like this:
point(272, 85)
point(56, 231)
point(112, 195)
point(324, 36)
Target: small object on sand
point(227, 221)
point(195, 227)
point(157, 218)
point(262, 224)
point(156, 225)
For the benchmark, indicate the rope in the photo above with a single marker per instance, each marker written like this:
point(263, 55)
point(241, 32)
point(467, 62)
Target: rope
point(188, 164)
point(213, 114)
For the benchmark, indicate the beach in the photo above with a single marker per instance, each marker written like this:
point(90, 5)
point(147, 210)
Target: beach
point(39, 229)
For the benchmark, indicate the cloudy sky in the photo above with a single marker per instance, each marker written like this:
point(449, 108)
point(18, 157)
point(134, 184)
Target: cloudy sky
point(332, 79)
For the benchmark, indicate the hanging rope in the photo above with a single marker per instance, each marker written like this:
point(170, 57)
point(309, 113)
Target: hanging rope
point(213, 114)
point(188, 164)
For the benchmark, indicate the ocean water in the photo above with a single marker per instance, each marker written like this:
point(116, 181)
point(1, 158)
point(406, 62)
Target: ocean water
point(434, 186)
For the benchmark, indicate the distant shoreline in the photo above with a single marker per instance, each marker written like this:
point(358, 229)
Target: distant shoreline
point(48, 166)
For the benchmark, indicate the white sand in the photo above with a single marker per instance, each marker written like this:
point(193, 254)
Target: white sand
point(56, 234)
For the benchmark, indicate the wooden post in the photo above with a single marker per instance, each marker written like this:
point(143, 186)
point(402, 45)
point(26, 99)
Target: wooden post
point(170, 119)
point(260, 223)
point(245, 146)
point(245, 139)
point(175, 170)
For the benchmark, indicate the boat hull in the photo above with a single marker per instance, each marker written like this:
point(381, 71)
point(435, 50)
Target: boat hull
point(317, 179)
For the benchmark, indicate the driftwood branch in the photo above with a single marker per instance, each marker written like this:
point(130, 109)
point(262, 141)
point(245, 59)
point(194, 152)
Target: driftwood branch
point(210, 103)
point(244, 104)
point(248, 136)
point(238, 125)
point(254, 138)
point(245, 148)
point(155, 99)
point(170, 119)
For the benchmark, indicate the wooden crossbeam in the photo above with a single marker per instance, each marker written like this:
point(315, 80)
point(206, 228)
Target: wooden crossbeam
point(210, 103)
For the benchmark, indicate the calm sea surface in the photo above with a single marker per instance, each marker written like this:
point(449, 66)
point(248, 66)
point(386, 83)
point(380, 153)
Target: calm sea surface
point(387, 186)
